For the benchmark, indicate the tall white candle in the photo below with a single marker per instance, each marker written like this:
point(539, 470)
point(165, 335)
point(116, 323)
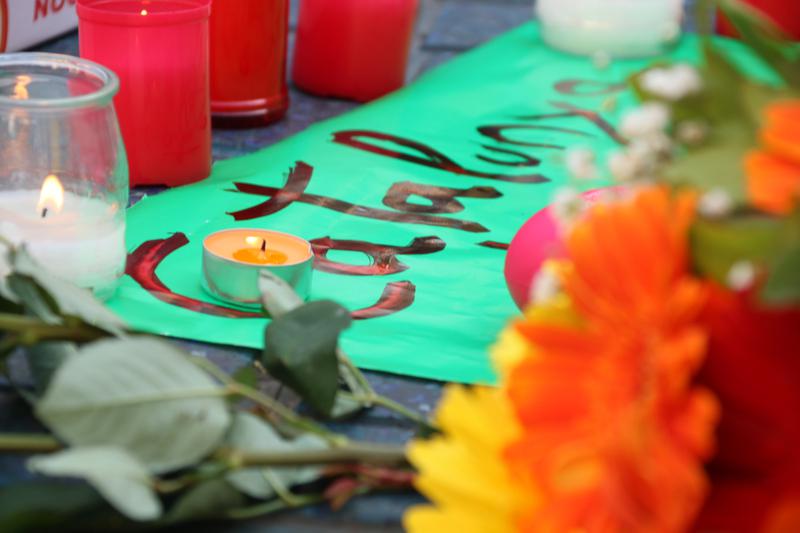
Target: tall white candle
point(83, 242)
point(620, 28)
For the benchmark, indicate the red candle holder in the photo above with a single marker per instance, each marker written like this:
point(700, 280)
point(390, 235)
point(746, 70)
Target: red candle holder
point(784, 13)
point(248, 62)
point(159, 49)
point(353, 49)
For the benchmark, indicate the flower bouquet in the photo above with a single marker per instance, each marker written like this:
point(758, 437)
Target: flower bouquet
point(653, 383)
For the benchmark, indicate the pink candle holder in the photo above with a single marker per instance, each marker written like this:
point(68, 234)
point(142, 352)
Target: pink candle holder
point(160, 51)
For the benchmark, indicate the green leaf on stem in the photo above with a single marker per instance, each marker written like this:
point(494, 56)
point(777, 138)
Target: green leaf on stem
point(783, 285)
point(766, 39)
point(141, 394)
point(301, 351)
point(209, 499)
point(252, 434)
point(45, 358)
point(56, 505)
point(59, 297)
point(714, 166)
point(119, 477)
point(346, 406)
point(277, 296)
point(770, 244)
point(246, 376)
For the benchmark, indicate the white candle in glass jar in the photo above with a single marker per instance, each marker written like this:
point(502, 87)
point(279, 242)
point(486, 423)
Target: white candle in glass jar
point(618, 28)
point(79, 239)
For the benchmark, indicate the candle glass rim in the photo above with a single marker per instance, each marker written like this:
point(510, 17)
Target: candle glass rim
point(256, 230)
point(97, 11)
point(67, 65)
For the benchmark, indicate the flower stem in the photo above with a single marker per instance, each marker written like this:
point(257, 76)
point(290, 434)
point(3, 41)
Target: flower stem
point(28, 442)
point(351, 453)
point(274, 507)
point(396, 407)
point(29, 331)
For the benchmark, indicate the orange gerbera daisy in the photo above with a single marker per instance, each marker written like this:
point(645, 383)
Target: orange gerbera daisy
point(610, 432)
point(773, 173)
point(615, 432)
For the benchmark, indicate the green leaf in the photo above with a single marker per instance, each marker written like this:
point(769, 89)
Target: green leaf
point(55, 505)
point(301, 351)
point(45, 358)
point(141, 394)
point(252, 434)
point(66, 299)
point(277, 296)
point(346, 407)
point(721, 99)
point(783, 284)
point(121, 479)
point(209, 499)
point(247, 376)
point(713, 166)
point(718, 245)
point(758, 32)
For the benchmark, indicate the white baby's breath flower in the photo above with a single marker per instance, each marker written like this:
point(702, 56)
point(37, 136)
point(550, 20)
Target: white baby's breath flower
point(649, 119)
point(652, 148)
point(715, 203)
point(545, 285)
point(568, 205)
point(741, 275)
point(623, 166)
point(672, 83)
point(582, 163)
point(692, 132)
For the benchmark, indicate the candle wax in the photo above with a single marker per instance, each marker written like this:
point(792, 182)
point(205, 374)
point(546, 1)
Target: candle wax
point(260, 257)
point(242, 245)
point(621, 28)
point(84, 243)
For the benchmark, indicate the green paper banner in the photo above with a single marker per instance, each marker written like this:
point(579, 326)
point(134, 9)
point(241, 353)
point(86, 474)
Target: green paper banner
point(409, 202)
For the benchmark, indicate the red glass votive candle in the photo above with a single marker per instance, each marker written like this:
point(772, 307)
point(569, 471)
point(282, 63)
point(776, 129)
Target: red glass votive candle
point(248, 62)
point(353, 49)
point(159, 49)
point(784, 13)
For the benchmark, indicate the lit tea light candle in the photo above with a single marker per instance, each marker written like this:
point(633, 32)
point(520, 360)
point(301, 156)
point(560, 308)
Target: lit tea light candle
point(233, 259)
point(79, 239)
point(257, 253)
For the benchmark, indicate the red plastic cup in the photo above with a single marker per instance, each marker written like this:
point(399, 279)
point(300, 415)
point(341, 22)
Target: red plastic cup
point(159, 49)
point(248, 62)
point(355, 49)
point(784, 13)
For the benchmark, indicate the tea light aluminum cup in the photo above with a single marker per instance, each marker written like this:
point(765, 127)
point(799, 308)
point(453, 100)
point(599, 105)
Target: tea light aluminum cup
point(236, 282)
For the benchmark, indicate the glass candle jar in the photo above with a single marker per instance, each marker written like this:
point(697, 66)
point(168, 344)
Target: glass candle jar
point(617, 28)
point(353, 49)
point(248, 62)
point(63, 170)
point(159, 49)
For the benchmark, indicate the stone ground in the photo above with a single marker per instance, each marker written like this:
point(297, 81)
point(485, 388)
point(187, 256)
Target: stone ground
point(445, 29)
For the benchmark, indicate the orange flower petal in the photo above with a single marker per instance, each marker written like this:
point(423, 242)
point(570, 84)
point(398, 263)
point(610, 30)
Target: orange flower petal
point(773, 184)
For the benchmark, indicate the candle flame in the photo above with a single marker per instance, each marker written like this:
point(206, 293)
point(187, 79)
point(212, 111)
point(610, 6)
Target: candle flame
point(21, 87)
point(254, 242)
point(52, 196)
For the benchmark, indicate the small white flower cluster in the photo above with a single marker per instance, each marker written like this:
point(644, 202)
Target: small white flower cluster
point(649, 146)
point(567, 207)
point(672, 83)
